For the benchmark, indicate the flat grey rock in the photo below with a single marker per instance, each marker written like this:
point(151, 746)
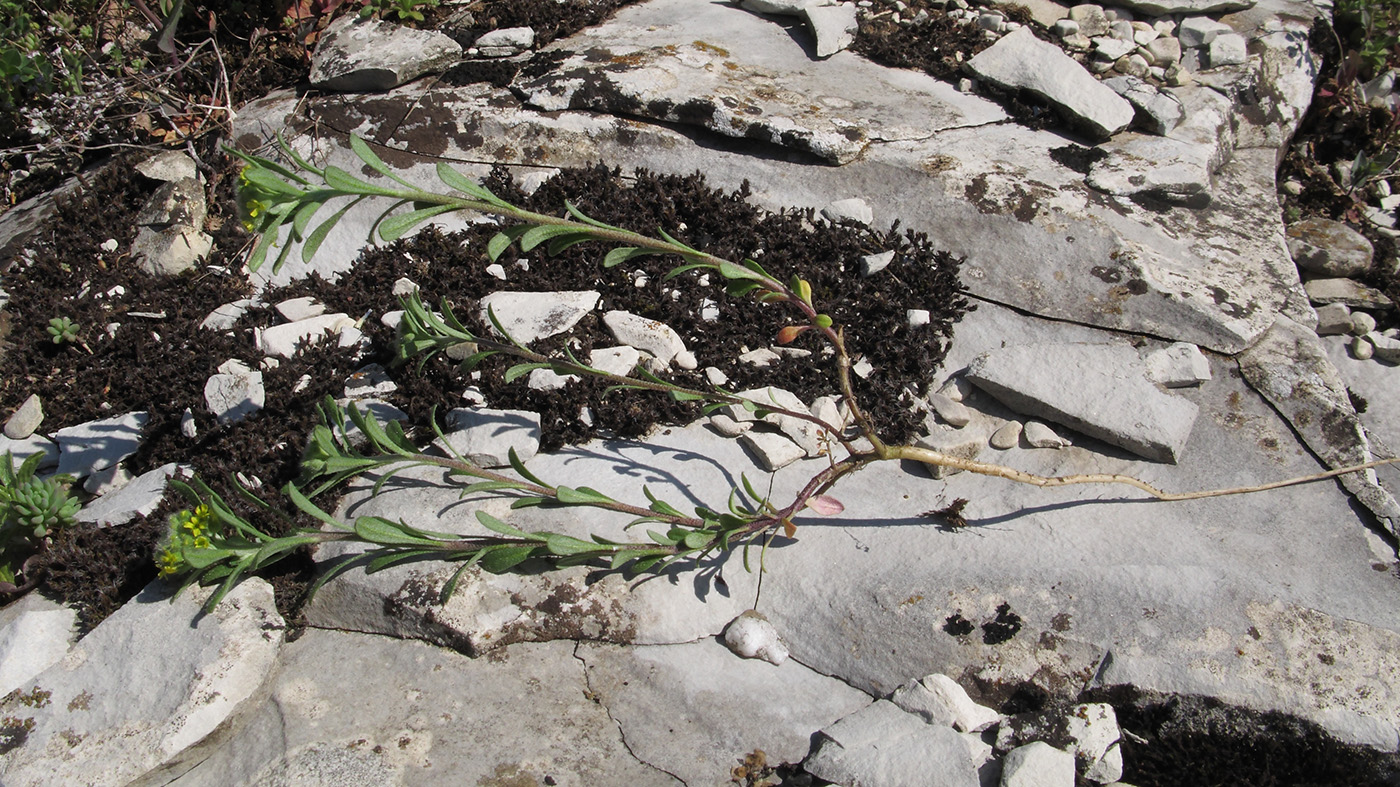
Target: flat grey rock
point(742, 80)
point(365, 55)
point(531, 316)
point(35, 633)
point(1348, 291)
point(1227, 49)
point(235, 393)
point(1329, 248)
point(1289, 366)
point(167, 166)
point(139, 497)
point(25, 419)
point(652, 337)
point(1037, 764)
point(20, 450)
point(1181, 164)
point(938, 699)
point(1334, 319)
point(1021, 61)
point(287, 339)
point(1099, 390)
point(834, 26)
point(95, 445)
point(521, 718)
point(170, 237)
point(733, 705)
point(111, 714)
point(1157, 110)
point(1180, 365)
point(505, 42)
point(1164, 7)
point(882, 746)
point(486, 437)
point(1198, 30)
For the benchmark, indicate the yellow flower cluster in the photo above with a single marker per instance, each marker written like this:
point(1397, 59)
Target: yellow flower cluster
point(188, 530)
point(252, 206)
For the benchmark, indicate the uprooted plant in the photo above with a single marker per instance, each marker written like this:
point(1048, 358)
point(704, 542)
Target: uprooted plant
point(212, 543)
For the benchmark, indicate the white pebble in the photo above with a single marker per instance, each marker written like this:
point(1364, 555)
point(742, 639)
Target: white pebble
point(1007, 436)
point(715, 375)
point(497, 270)
point(1362, 323)
point(751, 635)
point(686, 360)
point(917, 318)
point(1362, 349)
point(1038, 435)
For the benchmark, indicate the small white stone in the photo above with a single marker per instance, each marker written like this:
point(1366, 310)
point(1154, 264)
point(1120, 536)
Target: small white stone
point(369, 380)
point(1037, 764)
point(917, 318)
point(728, 426)
point(110, 245)
point(302, 383)
point(497, 270)
point(686, 360)
point(620, 360)
point(187, 425)
point(1179, 365)
point(872, 264)
point(854, 209)
point(716, 376)
point(1006, 437)
point(650, 336)
point(1334, 319)
point(1038, 435)
point(25, 419)
point(107, 480)
point(762, 357)
point(294, 309)
point(950, 412)
point(709, 310)
point(1362, 349)
point(531, 316)
point(863, 369)
point(956, 388)
point(404, 287)
point(827, 409)
point(751, 635)
point(549, 380)
point(773, 450)
point(940, 700)
point(1386, 348)
point(1361, 323)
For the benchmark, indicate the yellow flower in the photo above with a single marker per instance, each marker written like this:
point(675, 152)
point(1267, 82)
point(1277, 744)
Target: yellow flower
point(168, 562)
point(202, 542)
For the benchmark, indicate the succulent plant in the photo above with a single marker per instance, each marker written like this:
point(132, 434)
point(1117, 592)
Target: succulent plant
point(31, 509)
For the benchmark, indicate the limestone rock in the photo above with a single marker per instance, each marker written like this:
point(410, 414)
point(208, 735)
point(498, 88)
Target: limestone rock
point(1089, 732)
point(20, 450)
point(168, 166)
point(834, 26)
point(802, 432)
point(953, 413)
point(531, 316)
point(782, 7)
point(1157, 110)
point(286, 339)
point(1289, 366)
point(1038, 435)
point(1334, 319)
point(773, 450)
point(110, 713)
point(485, 437)
point(364, 55)
point(1178, 166)
point(751, 635)
point(170, 238)
point(854, 209)
point(960, 443)
point(25, 419)
point(1099, 390)
point(35, 633)
point(1180, 365)
point(1197, 31)
point(226, 316)
point(139, 497)
point(505, 42)
point(619, 360)
point(1037, 764)
point(549, 380)
point(1007, 436)
point(302, 308)
point(1328, 248)
point(87, 448)
point(1348, 291)
point(883, 745)
point(235, 392)
point(1227, 49)
point(1165, 7)
point(649, 336)
point(1022, 61)
point(938, 699)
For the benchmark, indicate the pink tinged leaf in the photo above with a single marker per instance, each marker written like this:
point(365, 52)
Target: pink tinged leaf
point(790, 333)
point(826, 505)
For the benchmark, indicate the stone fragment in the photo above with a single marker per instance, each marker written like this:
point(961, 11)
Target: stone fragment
point(1362, 349)
point(170, 237)
point(365, 55)
point(111, 714)
point(1179, 166)
point(505, 42)
point(833, 26)
point(1334, 319)
point(773, 450)
point(485, 437)
point(227, 315)
point(1290, 368)
point(25, 419)
point(235, 392)
point(882, 745)
point(1091, 19)
point(1134, 65)
point(938, 699)
point(1385, 348)
point(1007, 436)
point(950, 412)
point(620, 360)
point(1361, 323)
point(1021, 61)
point(1227, 49)
point(1352, 293)
point(20, 450)
point(302, 308)
point(872, 264)
point(549, 380)
point(1328, 248)
point(1180, 365)
point(1065, 28)
point(531, 316)
point(751, 635)
point(762, 357)
point(1163, 51)
point(404, 287)
point(781, 7)
point(649, 336)
point(382, 412)
point(802, 432)
point(170, 165)
point(966, 443)
point(1158, 111)
point(138, 497)
point(728, 426)
point(828, 409)
point(1038, 435)
point(107, 481)
point(369, 380)
point(1100, 390)
point(1197, 31)
point(1182, 7)
point(87, 448)
point(854, 209)
point(36, 632)
point(1088, 732)
point(1109, 48)
point(1037, 764)
point(286, 339)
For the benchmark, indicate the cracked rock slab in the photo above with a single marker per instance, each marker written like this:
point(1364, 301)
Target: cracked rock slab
point(695, 709)
point(363, 55)
point(1290, 368)
point(112, 712)
point(746, 80)
point(424, 715)
point(1100, 390)
point(882, 746)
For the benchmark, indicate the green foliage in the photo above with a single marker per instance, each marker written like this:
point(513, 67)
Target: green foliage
point(32, 62)
point(62, 330)
point(31, 509)
point(399, 10)
point(1372, 28)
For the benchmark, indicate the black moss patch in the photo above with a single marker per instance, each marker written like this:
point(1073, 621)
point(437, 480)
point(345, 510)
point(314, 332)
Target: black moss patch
point(1003, 627)
point(550, 19)
point(1178, 740)
point(161, 364)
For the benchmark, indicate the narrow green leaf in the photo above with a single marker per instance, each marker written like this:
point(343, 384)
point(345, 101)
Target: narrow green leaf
point(534, 236)
point(519, 467)
point(498, 560)
point(696, 539)
point(664, 540)
point(624, 253)
point(581, 496)
point(378, 530)
point(343, 181)
point(558, 245)
point(394, 227)
point(502, 240)
point(516, 371)
point(562, 545)
point(368, 156)
point(394, 558)
point(578, 214)
point(451, 586)
point(462, 183)
point(495, 525)
point(678, 244)
point(682, 396)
